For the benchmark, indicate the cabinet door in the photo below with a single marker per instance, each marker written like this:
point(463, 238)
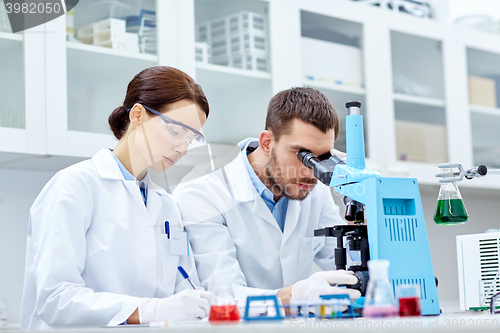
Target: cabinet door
point(233, 66)
point(419, 100)
point(22, 110)
point(484, 103)
point(103, 47)
point(332, 62)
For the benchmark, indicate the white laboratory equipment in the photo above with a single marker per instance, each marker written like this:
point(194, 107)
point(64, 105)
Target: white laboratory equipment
point(478, 269)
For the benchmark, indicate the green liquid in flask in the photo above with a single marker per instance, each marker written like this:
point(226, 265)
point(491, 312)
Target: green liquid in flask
point(450, 212)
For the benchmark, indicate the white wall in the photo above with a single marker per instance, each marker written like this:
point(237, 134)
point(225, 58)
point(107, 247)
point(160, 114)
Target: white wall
point(18, 190)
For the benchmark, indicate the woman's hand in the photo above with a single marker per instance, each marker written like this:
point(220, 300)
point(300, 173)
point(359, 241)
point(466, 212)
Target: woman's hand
point(189, 304)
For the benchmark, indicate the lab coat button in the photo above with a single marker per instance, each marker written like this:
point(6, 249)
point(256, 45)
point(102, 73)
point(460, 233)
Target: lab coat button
point(152, 276)
point(284, 255)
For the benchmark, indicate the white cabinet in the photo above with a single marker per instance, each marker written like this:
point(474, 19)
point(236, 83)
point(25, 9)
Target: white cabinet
point(411, 75)
point(12, 109)
point(238, 97)
point(419, 104)
point(332, 62)
point(485, 107)
point(22, 110)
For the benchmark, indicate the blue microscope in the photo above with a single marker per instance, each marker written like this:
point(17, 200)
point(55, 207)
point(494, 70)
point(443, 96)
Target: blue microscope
point(395, 227)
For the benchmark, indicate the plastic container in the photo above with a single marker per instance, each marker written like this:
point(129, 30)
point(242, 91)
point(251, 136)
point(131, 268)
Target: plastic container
point(239, 40)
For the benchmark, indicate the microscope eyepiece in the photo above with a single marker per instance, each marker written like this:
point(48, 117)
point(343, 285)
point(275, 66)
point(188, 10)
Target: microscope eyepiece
point(307, 158)
point(322, 169)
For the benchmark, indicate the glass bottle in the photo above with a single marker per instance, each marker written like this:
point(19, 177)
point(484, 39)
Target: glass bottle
point(450, 209)
point(379, 299)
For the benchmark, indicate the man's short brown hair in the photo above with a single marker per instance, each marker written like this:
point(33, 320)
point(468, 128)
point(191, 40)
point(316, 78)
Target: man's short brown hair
point(307, 104)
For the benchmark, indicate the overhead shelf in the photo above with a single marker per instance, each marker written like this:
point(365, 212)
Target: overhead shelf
point(10, 41)
point(485, 110)
point(105, 62)
point(10, 36)
point(334, 87)
point(223, 77)
point(232, 70)
point(419, 100)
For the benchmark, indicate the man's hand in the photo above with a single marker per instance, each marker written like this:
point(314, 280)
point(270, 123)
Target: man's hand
point(320, 283)
point(339, 153)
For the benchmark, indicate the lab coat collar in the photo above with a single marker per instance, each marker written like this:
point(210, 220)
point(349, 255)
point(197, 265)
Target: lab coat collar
point(106, 166)
point(239, 180)
point(243, 190)
point(108, 169)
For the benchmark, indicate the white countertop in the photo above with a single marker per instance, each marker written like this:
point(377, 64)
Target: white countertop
point(469, 321)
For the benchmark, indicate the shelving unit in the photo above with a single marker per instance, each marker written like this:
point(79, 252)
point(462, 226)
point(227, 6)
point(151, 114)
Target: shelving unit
point(13, 136)
point(238, 97)
point(485, 119)
point(425, 101)
point(12, 113)
point(334, 87)
point(373, 53)
point(338, 99)
point(332, 62)
point(97, 79)
point(238, 101)
point(419, 104)
point(484, 110)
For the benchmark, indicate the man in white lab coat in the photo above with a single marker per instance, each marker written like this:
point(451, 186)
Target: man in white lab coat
point(251, 224)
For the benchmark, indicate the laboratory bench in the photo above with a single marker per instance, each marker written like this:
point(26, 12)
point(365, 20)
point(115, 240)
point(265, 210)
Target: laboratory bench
point(451, 322)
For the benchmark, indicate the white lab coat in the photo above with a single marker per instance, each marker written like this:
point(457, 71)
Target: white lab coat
point(94, 249)
point(236, 239)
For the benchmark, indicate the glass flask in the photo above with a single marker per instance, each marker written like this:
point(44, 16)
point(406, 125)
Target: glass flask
point(379, 299)
point(450, 208)
point(223, 308)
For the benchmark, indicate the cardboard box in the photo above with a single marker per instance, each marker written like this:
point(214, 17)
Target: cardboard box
point(482, 91)
point(421, 142)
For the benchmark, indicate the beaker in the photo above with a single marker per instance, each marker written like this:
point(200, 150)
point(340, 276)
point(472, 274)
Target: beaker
point(450, 209)
point(223, 307)
point(379, 299)
point(409, 299)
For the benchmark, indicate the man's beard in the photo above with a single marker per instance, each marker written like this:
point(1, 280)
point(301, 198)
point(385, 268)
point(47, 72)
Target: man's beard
point(286, 186)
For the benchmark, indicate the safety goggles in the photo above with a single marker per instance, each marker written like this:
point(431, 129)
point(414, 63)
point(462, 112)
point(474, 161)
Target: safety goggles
point(176, 132)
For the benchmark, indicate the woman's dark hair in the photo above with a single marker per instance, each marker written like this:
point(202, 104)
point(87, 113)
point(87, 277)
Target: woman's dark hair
point(156, 87)
point(307, 104)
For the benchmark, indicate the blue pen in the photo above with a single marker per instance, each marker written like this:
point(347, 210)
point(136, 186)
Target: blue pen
point(186, 276)
point(167, 229)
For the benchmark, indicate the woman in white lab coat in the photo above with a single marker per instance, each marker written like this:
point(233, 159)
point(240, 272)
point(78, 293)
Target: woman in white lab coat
point(98, 249)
